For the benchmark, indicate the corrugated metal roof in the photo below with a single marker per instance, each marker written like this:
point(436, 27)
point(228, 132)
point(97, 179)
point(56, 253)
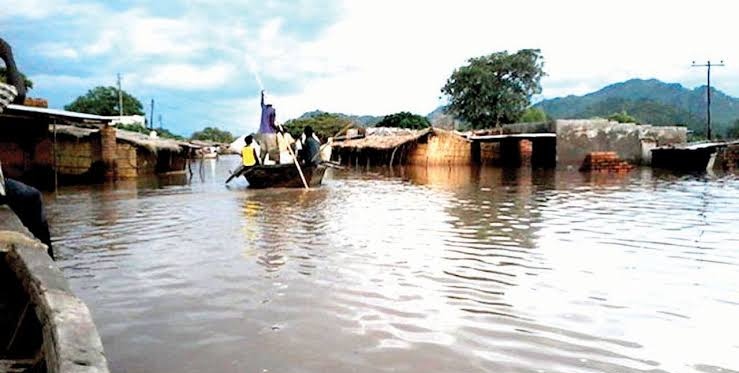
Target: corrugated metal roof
point(59, 113)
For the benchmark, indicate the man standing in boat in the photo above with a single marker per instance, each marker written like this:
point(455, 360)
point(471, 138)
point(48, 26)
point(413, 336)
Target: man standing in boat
point(267, 136)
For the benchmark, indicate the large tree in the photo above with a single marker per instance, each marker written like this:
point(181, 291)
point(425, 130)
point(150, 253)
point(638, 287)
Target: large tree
point(495, 89)
point(404, 119)
point(104, 101)
point(324, 125)
point(213, 134)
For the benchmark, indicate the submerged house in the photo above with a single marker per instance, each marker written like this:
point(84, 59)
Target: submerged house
point(90, 154)
point(391, 146)
point(39, 145)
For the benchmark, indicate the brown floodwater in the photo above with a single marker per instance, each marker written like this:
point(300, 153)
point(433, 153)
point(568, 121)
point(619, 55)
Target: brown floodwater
point(409, 270)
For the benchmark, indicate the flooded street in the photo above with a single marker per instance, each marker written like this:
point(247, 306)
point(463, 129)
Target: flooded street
point(409, 270)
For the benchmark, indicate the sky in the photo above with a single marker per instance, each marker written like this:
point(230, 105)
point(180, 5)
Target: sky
point(204, 63)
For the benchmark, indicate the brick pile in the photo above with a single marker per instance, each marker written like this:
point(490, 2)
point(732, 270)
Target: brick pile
point(604, 162)
point(36, 102)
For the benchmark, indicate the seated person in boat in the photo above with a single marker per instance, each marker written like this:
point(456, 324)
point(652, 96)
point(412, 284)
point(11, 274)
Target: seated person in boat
point(249, 155)
point(310, 149)
point(267, 135)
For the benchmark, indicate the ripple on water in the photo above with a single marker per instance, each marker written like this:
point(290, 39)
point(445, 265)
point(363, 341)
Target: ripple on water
point(414, 271)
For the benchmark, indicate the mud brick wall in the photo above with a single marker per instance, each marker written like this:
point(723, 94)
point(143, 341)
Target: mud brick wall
point(730, 158)
point(489, 153)
point(126, 161)
point(526, 149)
point(76, 156)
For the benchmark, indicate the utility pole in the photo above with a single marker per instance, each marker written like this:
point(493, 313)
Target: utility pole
point(120, 97)
point(151, 115)
point(708, 94)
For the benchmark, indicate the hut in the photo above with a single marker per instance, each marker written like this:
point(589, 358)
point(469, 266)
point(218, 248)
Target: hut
point(92, 154)
point(26, 142)
point(389, 146)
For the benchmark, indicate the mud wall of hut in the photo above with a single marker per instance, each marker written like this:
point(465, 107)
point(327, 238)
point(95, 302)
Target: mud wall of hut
point(76, 156)
point(442, 148)
point(25, 151)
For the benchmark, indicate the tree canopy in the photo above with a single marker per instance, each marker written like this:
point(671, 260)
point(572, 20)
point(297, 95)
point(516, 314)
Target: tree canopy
point(324, 125)
point(404, 119)
point(622, 117)
point(104, 101)
point(533, 115)
point(3, 74)
point(213, 134)
point(495, 89)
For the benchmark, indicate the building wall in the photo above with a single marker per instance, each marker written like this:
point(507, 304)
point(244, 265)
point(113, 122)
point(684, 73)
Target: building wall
point(577, 138)
point(75, 156)
point(25, 151)
point(126, 161)
point(442, 148)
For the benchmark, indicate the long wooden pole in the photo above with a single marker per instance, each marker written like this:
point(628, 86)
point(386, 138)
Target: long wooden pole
point(300, 170)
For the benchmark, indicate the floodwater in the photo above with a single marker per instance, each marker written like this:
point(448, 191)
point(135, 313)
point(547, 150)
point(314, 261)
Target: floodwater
point(409, 270)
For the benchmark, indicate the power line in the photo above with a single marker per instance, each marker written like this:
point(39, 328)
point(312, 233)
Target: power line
point(708, 93)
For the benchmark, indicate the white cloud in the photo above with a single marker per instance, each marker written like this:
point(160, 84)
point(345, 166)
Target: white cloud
point(188, 77)
point(385, 56)
point(57, 50)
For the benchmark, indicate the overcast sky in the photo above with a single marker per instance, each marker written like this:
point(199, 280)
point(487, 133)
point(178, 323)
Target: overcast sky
point(198, 59)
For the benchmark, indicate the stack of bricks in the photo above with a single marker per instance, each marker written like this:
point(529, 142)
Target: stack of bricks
point(604, 162)
point(36, 102)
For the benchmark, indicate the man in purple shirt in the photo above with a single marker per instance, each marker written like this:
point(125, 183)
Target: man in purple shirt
point(267, 135)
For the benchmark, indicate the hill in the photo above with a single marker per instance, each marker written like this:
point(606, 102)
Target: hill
point(363, 120)
point(650, 101)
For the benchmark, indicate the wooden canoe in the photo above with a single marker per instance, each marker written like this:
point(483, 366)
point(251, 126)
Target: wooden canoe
point(281, 176)
point(43, 326)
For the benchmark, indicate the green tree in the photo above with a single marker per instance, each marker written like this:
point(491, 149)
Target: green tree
point(733, 131)
point(404, 119)
point(622, 117)
point(213, 134)
point(495, 89)
point(324, 125)
point(533, 115)
point(3, 73)
point(104, 101)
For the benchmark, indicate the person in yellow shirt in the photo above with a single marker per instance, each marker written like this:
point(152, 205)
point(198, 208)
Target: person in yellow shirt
point(249, 156)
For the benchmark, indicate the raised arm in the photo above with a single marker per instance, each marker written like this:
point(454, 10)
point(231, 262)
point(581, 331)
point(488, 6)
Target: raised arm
point(262, 99)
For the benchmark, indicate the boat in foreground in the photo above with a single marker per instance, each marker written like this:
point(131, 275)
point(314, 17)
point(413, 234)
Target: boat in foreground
point(281, 175)
point(44, 327)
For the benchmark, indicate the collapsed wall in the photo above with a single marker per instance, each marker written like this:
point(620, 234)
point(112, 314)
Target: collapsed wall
point(631, 142)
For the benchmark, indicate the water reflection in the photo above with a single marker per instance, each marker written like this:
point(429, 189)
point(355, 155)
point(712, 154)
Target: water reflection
point(410, 269)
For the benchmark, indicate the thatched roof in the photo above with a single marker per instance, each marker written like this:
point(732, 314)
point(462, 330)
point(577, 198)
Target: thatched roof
point(382, 138)
point(74, 131)
point(154, 144)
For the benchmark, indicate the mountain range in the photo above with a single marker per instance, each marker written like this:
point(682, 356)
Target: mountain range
point(649, 101)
